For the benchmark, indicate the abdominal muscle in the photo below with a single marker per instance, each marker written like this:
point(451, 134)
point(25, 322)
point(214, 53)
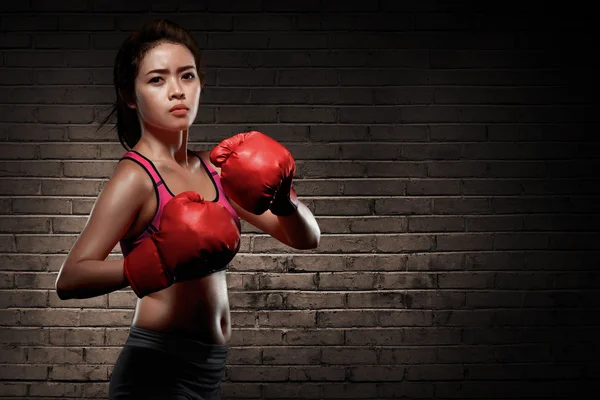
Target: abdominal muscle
point(197, 308)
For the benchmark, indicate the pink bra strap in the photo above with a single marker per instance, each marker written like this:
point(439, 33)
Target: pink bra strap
point(137, 157)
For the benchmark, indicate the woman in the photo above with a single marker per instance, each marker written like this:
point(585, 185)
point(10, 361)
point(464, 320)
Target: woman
point(176, 245)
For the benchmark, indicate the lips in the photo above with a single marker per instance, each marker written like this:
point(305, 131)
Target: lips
point(178, 107)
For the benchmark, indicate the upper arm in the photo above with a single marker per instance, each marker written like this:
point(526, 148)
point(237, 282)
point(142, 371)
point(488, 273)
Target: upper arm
point(113, 213)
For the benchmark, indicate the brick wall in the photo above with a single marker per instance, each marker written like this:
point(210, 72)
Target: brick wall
point(446, 150)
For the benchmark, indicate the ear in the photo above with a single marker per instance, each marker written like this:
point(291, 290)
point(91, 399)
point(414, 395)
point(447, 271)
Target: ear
point(130, 103)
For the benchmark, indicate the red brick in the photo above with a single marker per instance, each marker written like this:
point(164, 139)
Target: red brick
point(287, 318)
point(291, 355)
point(257, 373)
point(316, 374)
point(377, 373)
point(349, 355)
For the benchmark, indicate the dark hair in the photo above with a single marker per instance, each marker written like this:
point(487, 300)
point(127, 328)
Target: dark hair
point(126, 68)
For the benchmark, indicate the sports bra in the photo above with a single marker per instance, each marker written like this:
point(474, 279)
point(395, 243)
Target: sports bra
point(164, 194)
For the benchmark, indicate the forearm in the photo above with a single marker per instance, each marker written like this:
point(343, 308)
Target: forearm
point(301, 228)
point(90, 278)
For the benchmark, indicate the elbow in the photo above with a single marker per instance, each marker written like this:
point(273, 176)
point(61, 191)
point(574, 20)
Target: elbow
point(310, 244)
point(64, 290)
point(63, 295)
point(316, 238)
point(313, 244)
point(61, 291)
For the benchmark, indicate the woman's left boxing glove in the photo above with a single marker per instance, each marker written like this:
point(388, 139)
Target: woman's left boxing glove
point(257, 173)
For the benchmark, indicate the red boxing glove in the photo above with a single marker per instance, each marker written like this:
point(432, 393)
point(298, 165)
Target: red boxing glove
point(195, 238)
point(257, 173)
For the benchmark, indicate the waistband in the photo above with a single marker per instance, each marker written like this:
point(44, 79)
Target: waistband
point(178, 345)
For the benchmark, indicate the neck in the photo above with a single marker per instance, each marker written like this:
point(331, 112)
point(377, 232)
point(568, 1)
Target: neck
point(165, 146)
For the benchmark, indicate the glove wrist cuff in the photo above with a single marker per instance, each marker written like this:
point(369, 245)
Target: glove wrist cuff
point(285, 206)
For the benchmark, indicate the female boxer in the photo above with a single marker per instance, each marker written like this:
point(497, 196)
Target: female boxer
point(177, 225)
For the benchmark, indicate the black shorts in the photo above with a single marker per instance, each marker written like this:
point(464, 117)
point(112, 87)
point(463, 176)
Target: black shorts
point(159, 365)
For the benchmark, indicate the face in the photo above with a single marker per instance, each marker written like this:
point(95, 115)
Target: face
point(175, 83)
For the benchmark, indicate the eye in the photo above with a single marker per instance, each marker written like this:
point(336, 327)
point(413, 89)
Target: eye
point(191, 74)
point(154, 80)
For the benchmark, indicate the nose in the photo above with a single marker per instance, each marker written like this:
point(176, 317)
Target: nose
point(176, 91)
point(177, 94)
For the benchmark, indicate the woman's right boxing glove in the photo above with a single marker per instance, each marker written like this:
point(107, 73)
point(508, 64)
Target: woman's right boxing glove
point(193, 233)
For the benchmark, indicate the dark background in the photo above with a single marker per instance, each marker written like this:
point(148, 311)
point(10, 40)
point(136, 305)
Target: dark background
point(449, 151)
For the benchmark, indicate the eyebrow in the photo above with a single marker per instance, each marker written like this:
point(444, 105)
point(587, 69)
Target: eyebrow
point(163, 70)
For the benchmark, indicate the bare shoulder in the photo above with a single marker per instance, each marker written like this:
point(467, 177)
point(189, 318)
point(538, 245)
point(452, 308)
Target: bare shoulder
point(130, 174)
point(124, 194)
